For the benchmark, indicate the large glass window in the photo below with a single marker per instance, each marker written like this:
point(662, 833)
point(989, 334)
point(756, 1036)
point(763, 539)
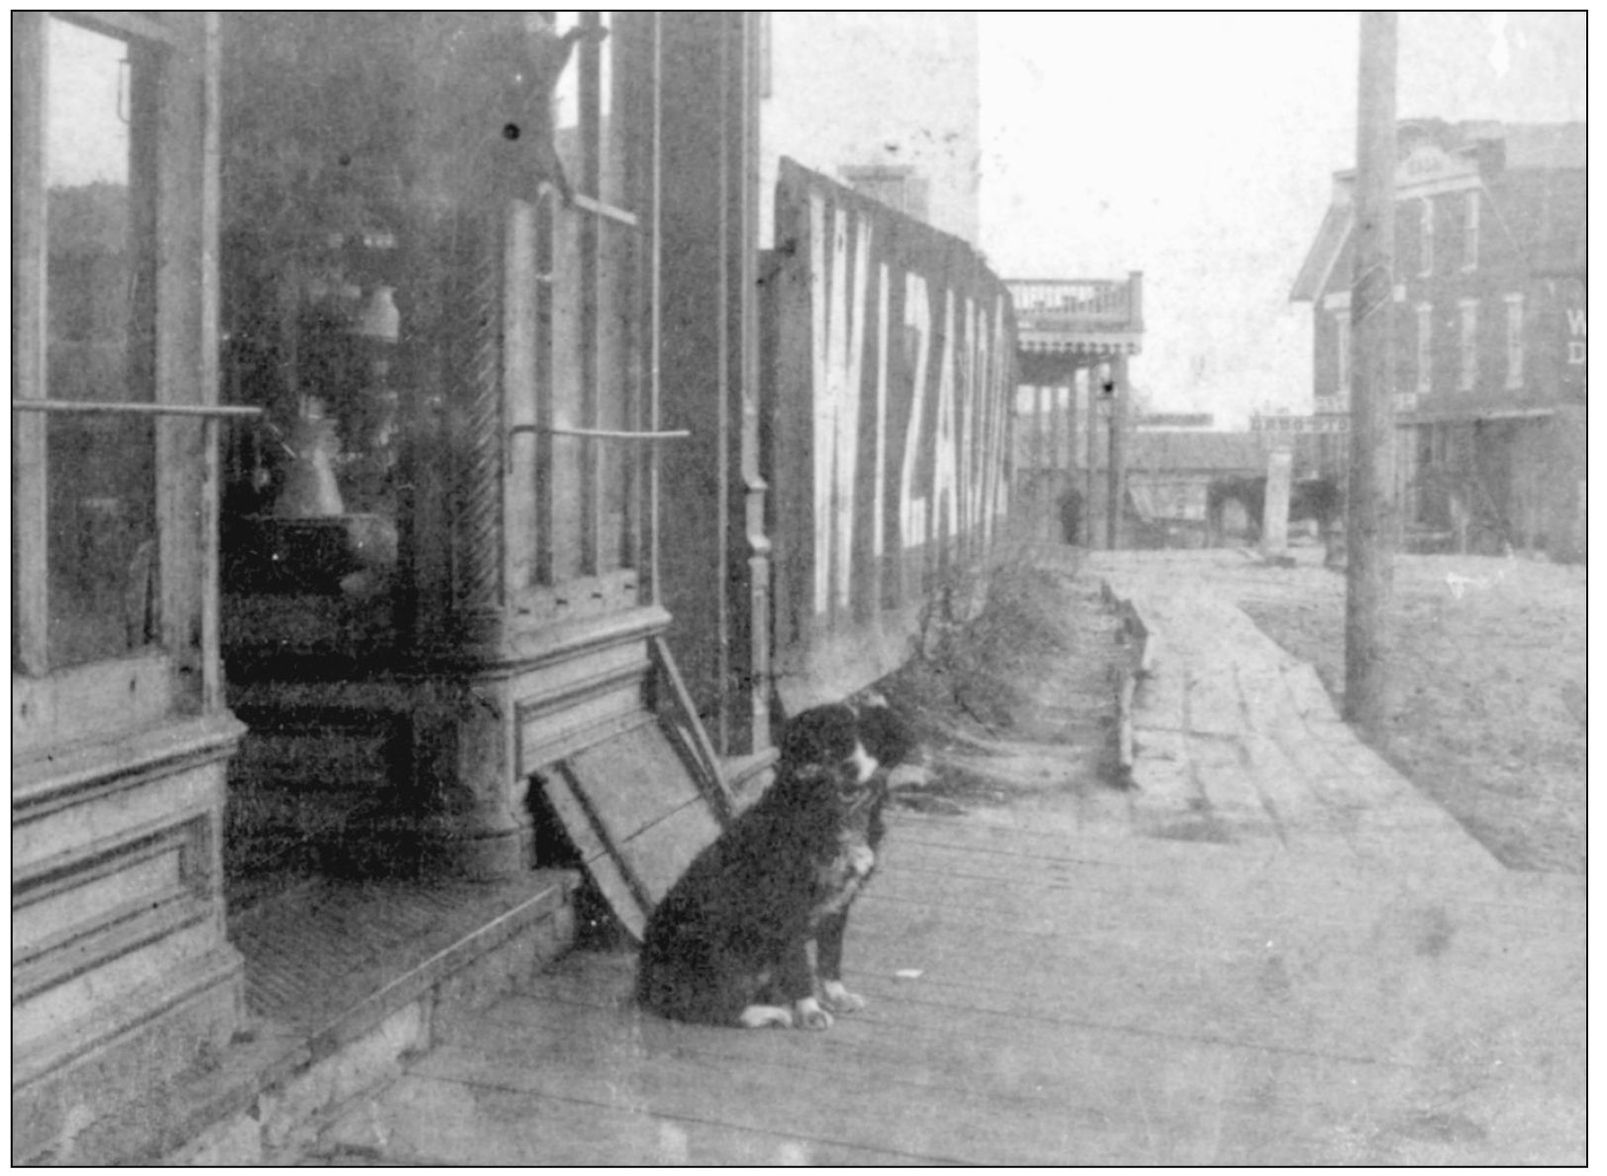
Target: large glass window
point(589, 380)
point(100, 328)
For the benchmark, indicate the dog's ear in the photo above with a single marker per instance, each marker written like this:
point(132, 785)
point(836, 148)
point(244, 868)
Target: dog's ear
point(820, 735)
point(884, 734)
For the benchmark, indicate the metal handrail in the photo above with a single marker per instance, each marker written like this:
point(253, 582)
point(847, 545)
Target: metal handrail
point(134, 408)
point(600, 434)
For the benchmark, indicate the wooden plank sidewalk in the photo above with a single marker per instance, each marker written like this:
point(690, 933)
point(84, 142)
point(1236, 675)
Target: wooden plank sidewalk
point(1039, 997)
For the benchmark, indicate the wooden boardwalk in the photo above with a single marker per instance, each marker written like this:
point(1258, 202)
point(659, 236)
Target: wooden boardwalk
point(1041, 995)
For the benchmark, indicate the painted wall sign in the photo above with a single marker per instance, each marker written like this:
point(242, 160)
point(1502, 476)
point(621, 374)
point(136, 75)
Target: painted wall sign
point(890, 370)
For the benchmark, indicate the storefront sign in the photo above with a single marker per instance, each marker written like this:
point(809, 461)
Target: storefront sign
point(1576, 335)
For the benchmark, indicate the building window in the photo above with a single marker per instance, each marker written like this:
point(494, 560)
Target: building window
point(1425, 348)
point(1425, 238)
point(1514, 341)
point(1470, 236)
point(1468, 345)
point(93, 474)
point(1342, 355)
point(899, 188)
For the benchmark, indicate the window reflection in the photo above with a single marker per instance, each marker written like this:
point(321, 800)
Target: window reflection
point(101, 498)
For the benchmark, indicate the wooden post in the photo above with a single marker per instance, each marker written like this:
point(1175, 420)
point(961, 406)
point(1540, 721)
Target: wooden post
point(1115, 517)
point(1040, 427)
point(1091, 528)
point(1051, 466)
point(714, 557)
point(741, 225)
point(1040, 459)
point(30, 536)
point(1275, 504)
point(1368, 529)
point(1070, 486)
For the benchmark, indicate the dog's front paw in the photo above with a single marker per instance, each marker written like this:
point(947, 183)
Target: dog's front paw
point(807, 1014)
point(763, 1016)
point(838, 999)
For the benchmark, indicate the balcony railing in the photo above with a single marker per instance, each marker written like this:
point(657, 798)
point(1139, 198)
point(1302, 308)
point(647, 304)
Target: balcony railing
point(1070, 307)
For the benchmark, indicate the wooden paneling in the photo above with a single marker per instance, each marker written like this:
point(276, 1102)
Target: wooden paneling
point(522, 285)
point(29, 584)
point(890, 388)
point(635, 814)
point(712, 551)
point(117, 770)
point(124, 695)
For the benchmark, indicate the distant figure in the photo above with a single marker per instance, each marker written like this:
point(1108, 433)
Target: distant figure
point(1071, 516)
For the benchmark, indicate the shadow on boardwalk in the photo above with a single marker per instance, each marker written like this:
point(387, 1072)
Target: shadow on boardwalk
point(1048, 991)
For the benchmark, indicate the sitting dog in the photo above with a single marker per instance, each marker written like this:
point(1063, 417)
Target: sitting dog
point(730, 943)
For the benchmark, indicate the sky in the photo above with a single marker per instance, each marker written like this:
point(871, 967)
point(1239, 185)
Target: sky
point(1200, 148)
point(1197, 147)
point(85, 141)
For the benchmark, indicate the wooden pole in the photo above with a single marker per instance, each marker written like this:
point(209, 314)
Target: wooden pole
point(1052, 456)
point(1369, 533)
point(1039, 431)
point(1071, 457)
point(1115, 520)
point(1090, 526)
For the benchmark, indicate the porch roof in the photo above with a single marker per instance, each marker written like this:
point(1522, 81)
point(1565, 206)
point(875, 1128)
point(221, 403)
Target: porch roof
point(1071, 317)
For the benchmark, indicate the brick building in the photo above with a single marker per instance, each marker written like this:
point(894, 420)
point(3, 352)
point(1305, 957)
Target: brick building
point(1489, 333)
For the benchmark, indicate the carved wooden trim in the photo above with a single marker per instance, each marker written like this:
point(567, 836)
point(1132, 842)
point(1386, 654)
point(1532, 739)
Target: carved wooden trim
point(477, 515)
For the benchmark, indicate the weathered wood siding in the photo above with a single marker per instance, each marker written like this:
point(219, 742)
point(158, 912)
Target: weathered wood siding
point(889, 368)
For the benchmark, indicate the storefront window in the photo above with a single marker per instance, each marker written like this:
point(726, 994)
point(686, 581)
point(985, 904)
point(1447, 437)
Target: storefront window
point(100, 323)
point(433, 284)
point(587, 333)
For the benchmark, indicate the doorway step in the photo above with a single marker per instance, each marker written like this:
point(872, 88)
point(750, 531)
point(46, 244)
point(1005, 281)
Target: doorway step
point(344, 981)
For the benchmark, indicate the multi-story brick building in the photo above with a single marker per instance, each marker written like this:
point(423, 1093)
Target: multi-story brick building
point(1489, 332)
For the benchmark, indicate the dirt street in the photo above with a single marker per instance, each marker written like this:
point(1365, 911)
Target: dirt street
point(1487, 686)
point(1487, 698)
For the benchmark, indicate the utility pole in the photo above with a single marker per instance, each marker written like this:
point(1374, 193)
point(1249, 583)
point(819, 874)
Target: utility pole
point(1370, 535)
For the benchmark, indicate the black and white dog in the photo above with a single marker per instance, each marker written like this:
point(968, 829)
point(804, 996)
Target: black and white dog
point(729, 944)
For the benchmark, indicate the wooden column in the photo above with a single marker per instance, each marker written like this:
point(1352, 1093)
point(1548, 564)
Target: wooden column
point(714, 558)
point(1053, 464)
point(1071, 454)
point(1053, 454)
point(1039, 431)
point(1090, 527)
point(477, 422)
point(1116, 474)
point(1275, 503)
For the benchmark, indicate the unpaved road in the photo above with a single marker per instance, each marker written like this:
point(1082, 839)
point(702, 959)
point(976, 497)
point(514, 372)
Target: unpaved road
point(1486, 663)
point(1486, 695)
